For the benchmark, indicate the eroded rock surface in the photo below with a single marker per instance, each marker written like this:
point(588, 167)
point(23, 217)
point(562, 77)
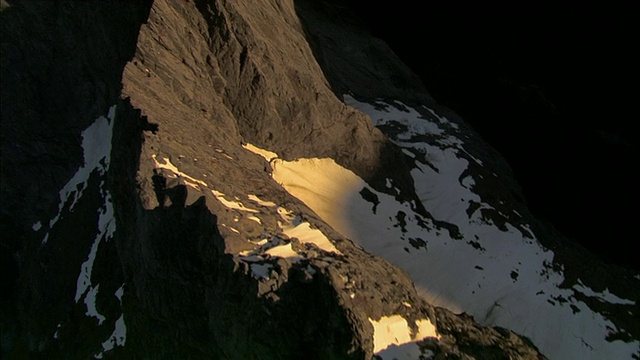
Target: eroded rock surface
point(136, 222)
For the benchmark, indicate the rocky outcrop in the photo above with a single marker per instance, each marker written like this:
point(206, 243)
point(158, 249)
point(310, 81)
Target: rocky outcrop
point(138, 221)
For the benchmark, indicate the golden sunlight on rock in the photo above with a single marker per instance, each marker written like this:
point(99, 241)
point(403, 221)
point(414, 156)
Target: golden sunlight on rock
point(394, 330)
point(323, 185)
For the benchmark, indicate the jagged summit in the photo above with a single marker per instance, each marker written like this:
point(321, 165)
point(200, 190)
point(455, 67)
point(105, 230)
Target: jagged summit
point(204, 179)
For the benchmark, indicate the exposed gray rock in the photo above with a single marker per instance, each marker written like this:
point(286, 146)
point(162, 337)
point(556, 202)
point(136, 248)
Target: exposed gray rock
point(161, 247)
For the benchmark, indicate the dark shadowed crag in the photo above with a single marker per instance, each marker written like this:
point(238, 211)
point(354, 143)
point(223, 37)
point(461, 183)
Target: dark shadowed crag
point(143, 216)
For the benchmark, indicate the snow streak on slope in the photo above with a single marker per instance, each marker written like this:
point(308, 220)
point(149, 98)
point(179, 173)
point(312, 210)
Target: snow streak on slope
point(167, 165)
point(292, 226)
point(462, 259)
point(269, 247)
point(119, 335)
point(96, 145)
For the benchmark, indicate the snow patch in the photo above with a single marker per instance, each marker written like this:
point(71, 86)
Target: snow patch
point(409, 153)
point(468, 182)
point(261, 271)
point(120, 292)
point(255, 218)
point(460, 260)
point(106, 229)
point(442, 120)
point(55, 335)
point(284, 251)
point(90, 302)
point(97, 153)
point(256, 199)
point(118, 337)
point(393, 338)
point(236, 205)
point(604, 296)
point(388, 184)
point(323, 185)
point(444, 268)
point(189, 180)
point(294, 227)
point(266, 154)
point(96, 146)
point(261, 241)
point(398, 115)
point(495, 273)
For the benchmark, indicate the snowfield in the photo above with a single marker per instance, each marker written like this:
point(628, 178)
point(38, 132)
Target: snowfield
point(468, 257)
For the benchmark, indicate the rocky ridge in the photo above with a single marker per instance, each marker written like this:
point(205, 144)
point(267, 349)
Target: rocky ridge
point(135, 221)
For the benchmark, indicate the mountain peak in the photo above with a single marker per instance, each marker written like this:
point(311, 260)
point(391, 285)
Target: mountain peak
point(198, 179)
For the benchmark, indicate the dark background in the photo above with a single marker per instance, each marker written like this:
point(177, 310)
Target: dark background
point(553, 90)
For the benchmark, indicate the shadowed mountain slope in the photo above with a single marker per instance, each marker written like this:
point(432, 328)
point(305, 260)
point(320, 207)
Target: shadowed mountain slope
point(142, 210)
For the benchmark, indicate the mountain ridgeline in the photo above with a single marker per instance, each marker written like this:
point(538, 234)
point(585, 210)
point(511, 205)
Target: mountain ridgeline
point(211, 179)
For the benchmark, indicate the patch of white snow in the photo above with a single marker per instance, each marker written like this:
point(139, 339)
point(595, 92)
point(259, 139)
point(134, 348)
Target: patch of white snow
point(90, 302)
point(604, 296)
point(189, 180)
point(266, 154)
point(393, 338)
point(255, 218)
point(261, 271)
point(284, 251)
point(256, 199)
point(120, 292)
point(237, 205)
point(118, 337)
point(96, 146)
point(106, 229)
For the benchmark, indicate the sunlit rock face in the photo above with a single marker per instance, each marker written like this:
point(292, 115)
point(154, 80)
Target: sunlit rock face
point(193, 180)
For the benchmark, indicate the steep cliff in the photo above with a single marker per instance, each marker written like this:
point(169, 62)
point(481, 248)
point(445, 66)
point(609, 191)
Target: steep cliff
point(145, 212)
